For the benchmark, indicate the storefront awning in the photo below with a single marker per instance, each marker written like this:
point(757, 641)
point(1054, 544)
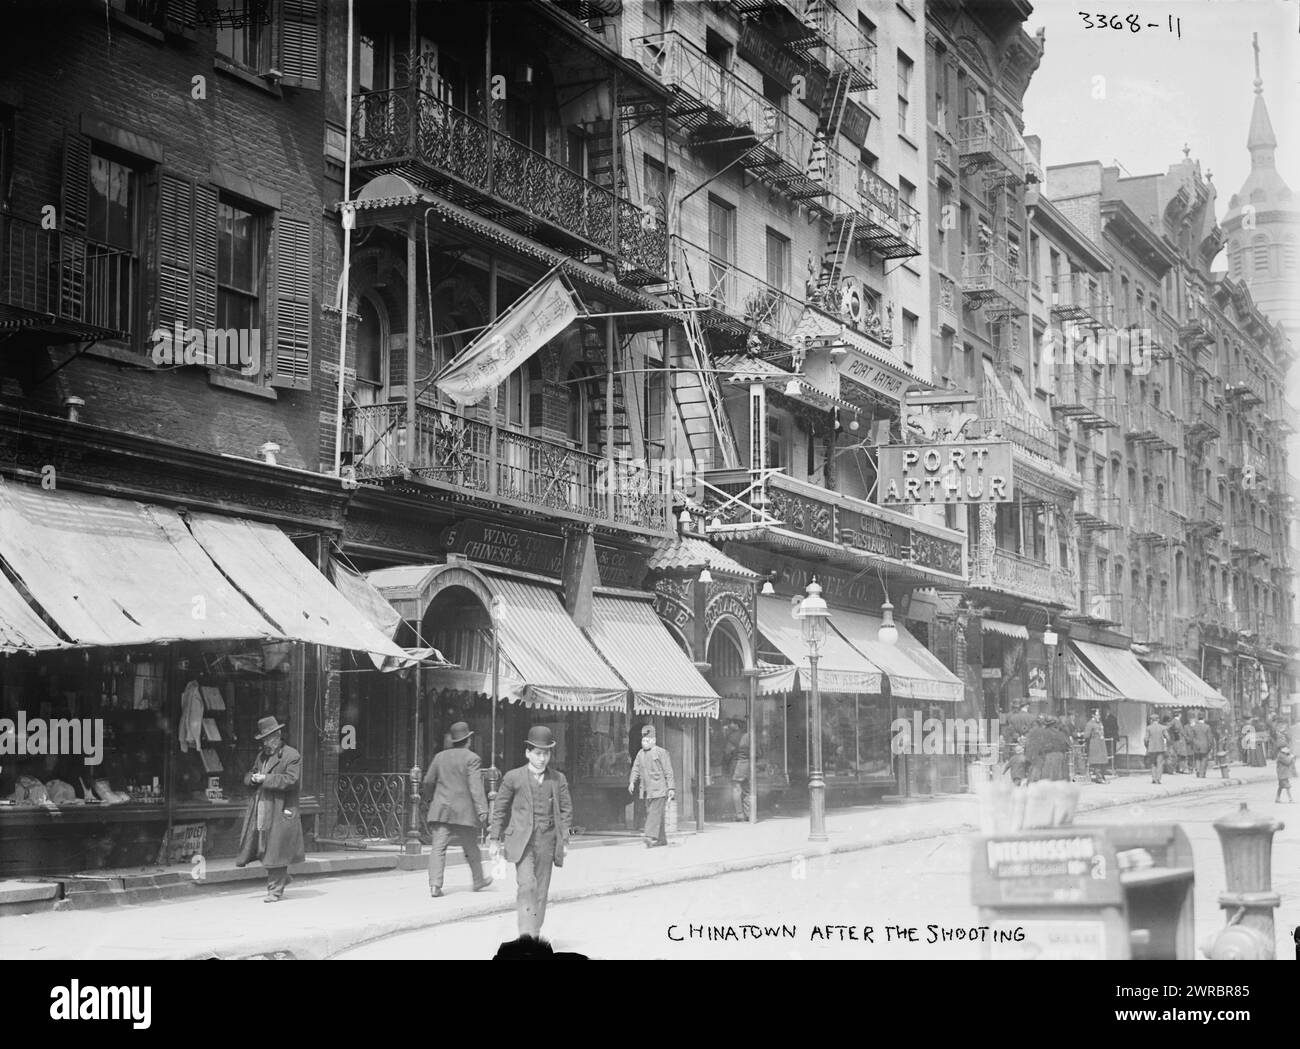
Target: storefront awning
point(117, 572)
point(840, 668)
point(1085, 684)
point(288, 589)
point(381, 615)
point(1120, 668)
point(555, 666)
point(1186, 686)
point(634, 641)
point(914, 671)
point(21, 629)
point(1012, 630)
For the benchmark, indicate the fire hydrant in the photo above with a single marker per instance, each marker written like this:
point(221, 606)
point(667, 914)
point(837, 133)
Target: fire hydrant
point(1247, 843)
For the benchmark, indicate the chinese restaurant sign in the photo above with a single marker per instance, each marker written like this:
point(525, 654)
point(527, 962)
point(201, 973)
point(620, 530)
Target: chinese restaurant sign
point(969, 472)
point(532, 552)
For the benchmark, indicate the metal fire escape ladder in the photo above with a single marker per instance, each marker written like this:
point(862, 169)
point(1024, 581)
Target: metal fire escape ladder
point(696, 377)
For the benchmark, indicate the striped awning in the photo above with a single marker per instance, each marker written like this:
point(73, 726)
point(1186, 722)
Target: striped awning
point(1186, 686)
point(1120, 669)
point(840, 666)
point(633, 640)
point(914, 671)
point(550, 663)
point(1085, 684)
point(1013, 630)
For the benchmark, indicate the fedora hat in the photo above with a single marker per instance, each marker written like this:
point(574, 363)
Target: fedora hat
point(460, 731)
point(265, 726)
point(540, 736)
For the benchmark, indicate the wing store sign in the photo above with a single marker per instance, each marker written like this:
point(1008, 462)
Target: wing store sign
point(923, 474)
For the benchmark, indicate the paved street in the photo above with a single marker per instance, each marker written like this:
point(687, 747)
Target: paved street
point(916, 884)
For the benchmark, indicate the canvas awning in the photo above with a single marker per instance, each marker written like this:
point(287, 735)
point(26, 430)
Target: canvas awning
point(288, 589)
point(21, 629)
point(840, 667)
point(914, 671)
point(553, 665)
point(381, 615)
point(1186, 686)
point(1120, 669)
point(117, 572)
point(631, 637)
point(1012, 630)
point(1086, 684)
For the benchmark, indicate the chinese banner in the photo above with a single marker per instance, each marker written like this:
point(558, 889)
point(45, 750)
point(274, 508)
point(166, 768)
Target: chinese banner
point(523, 330)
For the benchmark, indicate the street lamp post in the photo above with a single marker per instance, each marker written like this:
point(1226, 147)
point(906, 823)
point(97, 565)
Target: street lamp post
point(814, 615)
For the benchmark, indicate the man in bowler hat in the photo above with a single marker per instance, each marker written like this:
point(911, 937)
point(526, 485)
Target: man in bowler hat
point(272, 830)
point(531, 815)
point(453, 790)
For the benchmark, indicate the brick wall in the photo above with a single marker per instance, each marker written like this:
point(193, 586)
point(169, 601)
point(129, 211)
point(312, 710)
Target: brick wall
point(142, 86)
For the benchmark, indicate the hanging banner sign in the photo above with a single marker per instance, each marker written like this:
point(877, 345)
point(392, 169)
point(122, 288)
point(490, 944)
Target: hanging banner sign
point(923, 474)
point(524, 329)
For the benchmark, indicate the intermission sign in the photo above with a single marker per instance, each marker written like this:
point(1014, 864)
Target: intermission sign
point(969, 472)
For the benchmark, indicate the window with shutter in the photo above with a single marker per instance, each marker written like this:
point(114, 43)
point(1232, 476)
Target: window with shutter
point(187, 254)
point(300, 43)
point(73, 219)
point(293, 271)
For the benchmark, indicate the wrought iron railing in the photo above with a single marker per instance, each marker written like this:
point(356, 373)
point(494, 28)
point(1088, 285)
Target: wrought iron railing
point(982, 137)
point(406, 125)
point(1145, 423)
point(718, 285)
point(1094, 507)
point(449, 450)
point(1019, 424)
point(849, 50)
point(65, 279)
point(1077, 297)
point(988, 276)
point(1197, 329)
point(1243, 381)
point(372, 805)
point(1025, 577)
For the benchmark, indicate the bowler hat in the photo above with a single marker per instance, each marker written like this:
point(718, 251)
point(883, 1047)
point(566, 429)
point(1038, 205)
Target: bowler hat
point(541, 737)
point(460, 731)
point(265, 726)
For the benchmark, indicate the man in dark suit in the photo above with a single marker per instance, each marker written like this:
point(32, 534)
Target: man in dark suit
point(453, 790)
point(531, 815)
point(272, 830)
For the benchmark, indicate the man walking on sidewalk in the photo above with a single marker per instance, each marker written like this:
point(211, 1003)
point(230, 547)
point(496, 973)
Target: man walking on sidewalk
point(272, 830)
point(654, 769)
point(1198, 734)
point(453, 790)
point(531, 815)
point(1156, 741)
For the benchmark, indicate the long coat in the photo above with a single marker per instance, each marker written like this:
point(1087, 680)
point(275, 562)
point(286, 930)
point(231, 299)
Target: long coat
point(455, 784)
point(654, 769)
point(1095, 736)
point(1155, 738)
point(284, 841)
point(513, 810)
point(1198, 734)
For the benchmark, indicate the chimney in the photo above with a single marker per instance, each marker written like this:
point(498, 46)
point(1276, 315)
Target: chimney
point(72, 408)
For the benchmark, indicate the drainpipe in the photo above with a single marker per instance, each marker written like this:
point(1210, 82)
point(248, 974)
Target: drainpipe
point(349, 220)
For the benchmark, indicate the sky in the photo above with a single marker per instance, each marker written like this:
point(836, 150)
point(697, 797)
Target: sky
point(1161, 92)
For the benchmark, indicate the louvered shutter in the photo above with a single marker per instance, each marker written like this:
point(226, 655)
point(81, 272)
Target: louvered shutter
point(182, 15)
point(74, 213)
point(300, 43)
point(293, 275)
point(204, 284)
point(175, 251)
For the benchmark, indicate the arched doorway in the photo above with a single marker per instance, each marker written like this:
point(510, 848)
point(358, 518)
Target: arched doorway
point(729, 656)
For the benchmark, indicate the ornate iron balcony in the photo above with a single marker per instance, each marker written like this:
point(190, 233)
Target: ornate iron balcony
point(448, 451)
point(989, 281)
point(988, 145)
point(418, 135)
point(63, 285)
point(1025, 577)
point(889, 223)
point(1019, 425)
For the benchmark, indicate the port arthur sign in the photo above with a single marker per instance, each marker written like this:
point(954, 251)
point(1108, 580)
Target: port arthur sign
point(940, 474)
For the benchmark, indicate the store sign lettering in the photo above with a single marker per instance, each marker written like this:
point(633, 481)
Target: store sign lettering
point(531, 552)
point(671, 611)
point(729, 604)
point(969, 472)
point(861, 370)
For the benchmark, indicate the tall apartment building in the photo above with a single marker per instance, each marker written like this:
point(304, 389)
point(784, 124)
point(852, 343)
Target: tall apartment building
point(987, 327)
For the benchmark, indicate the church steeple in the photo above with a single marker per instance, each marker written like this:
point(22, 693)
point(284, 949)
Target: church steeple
point(1261, 142)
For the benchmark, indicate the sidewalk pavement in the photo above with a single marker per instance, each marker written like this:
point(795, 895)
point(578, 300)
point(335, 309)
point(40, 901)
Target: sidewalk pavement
point(321, 917)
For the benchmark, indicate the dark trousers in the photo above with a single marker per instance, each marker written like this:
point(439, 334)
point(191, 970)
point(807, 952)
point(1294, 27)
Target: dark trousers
point(442, 834)
point(1202, 763)
point(1157, 763)
point(533, 877)
point(277, 880)
point(740, 797)
point(654, 820)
